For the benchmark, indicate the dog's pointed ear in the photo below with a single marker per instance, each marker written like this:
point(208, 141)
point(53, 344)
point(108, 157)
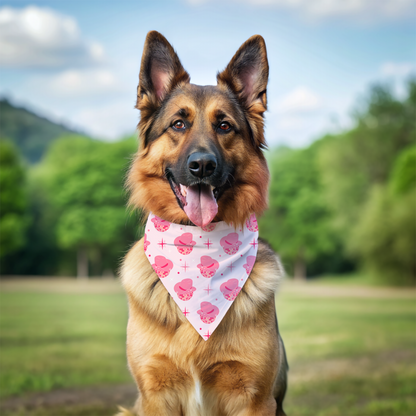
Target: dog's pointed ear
point(247, 75)
point(160, 70)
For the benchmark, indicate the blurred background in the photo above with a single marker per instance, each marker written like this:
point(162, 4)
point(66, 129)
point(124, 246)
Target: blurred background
point(341, 129)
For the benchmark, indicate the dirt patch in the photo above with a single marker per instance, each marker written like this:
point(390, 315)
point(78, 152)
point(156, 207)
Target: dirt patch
point(98, 401)
point(377, 365)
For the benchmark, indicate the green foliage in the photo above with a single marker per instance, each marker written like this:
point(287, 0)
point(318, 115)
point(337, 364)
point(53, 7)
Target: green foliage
point(403, 177)
point(31, 133)
point(347, 196)
point(40, 255)
point(14, 218)
point(368, 178)
point(83, 180)
point(385, 237)
point(99, 225)
point(353, 162)
point(297, 223)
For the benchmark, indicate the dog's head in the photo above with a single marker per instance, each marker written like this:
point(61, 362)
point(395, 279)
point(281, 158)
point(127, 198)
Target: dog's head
point(200, 156)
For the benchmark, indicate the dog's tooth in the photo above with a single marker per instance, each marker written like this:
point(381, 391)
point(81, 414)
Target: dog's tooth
point(183, 189)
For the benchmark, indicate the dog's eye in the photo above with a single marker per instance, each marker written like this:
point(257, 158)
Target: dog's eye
point(224, 126)
point(178, 125)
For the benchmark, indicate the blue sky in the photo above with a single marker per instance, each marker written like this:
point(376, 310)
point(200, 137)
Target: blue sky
point(78, 61)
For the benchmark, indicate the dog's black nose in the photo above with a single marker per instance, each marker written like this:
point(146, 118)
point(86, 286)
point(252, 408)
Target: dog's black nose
point(202, 165)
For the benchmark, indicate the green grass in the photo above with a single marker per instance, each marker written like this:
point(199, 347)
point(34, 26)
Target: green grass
point(349, 355)
point(56, 340)
point(345, 327)
point(348, 279)
point(351, 350)
point(353, 279)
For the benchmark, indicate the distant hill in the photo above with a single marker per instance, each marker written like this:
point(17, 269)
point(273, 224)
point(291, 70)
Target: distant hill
point(31, 133)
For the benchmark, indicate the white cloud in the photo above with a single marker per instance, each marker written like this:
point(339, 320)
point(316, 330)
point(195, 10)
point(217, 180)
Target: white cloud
point(356, 10)
point(98, 101)
point(296, 118)
point(76, 83)
point(41, 37)
point(301, 100)
point(397, 69)
point(109, 122)
point(295, 130)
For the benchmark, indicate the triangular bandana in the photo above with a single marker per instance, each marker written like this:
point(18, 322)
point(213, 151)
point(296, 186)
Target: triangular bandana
point(203, 269)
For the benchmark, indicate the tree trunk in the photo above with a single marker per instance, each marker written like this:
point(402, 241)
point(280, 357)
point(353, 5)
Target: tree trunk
point(300, 267)
point(82, 263)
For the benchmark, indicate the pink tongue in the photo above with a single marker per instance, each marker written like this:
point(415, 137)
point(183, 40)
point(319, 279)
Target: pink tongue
point(201, 206)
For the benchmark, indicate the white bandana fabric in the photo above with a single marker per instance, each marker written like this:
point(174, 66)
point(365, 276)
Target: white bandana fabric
point(203, 269)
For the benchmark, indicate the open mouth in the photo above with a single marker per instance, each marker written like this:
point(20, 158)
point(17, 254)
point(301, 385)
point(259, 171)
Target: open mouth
point(199, 201)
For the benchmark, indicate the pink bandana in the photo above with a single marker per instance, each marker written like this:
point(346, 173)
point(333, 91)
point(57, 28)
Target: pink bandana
point(203, 269)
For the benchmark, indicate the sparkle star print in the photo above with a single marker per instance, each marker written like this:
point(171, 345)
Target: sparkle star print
point(203, 269)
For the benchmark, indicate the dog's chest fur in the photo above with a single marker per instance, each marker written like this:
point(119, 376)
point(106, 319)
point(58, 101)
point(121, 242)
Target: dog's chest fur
point(164, 349)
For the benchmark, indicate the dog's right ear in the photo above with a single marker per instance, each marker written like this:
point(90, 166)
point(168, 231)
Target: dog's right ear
point(160, 71)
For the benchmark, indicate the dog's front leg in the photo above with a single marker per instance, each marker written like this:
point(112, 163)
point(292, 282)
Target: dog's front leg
point(236, 391)
point(162, 388)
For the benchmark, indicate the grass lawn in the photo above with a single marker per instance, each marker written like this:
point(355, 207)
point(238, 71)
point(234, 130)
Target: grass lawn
point(50, 338)
point(351, 349)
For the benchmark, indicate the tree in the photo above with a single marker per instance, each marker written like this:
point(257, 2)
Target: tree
point(365, 172)
point(14, 218)
point(297, 223)
point(384, 240)
point(84, 181)
point(355, 161)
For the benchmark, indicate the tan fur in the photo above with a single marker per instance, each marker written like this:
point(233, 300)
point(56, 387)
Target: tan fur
point(241, 369)
point(147, 183)
point(238, 365)
point(124, 412)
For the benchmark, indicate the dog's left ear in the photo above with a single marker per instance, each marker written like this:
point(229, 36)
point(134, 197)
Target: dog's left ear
point(247, 75)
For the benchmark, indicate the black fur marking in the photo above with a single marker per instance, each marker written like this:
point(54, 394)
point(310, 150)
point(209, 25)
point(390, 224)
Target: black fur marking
point(248, 296)
point(254, 283)
point(153, 285)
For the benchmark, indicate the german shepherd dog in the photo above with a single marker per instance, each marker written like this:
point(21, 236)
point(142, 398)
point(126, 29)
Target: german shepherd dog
point(206, 140)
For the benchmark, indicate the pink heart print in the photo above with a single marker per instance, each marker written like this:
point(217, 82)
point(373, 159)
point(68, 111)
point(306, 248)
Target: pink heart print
point(145, 243)
point(208, 266)
point(210, 227)
point(160, 225)
point(208, 312)
point(251, 223)
point(162, 266)
point(230, 289)
point(250, 263)
point(184, 243)
point(230, 243)
point(184, 289)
